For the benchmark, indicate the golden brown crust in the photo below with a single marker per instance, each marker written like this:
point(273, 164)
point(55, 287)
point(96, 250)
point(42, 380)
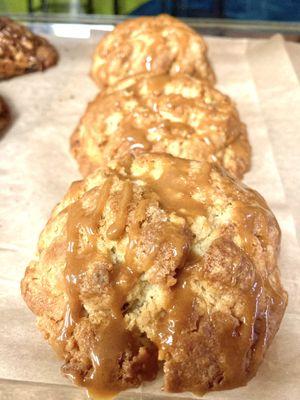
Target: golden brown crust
point(171, 261)
point(22, 51)
point(179, 115)
point(159, 45)
point(236, 157)
point(4, 114)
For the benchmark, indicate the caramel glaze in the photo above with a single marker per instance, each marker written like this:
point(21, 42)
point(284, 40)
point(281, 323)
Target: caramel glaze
point(110, 340)
point(176, 185)
point(137, 137)
point(150, 58)
point(234, 341)
point(163, 45)
point(79, 218)
point(241, 341)
point(116, 230)
point(158, 122)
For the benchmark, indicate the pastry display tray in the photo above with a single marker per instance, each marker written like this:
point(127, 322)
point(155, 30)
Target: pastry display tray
point(261, 76)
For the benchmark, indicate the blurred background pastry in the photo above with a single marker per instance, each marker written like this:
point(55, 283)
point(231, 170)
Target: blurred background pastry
point(4, 114)
point(22, 51)
point(159, 45)
point(180, 115)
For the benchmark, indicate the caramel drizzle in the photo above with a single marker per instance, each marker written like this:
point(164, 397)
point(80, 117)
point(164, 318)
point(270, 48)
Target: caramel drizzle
point(175, 188)
point(116, 230)
point(240, 343)
point(134, 233)
point(242, 347)
point(136, 138)
point(166, 234)
point(109, 344)
point(252, 224)
point(177, 316)
point(77, 259)
point(111, 337)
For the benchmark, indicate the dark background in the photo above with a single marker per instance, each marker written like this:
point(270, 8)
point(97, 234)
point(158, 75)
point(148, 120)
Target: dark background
point(272, 10)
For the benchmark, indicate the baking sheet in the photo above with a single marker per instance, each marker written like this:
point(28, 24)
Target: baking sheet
point(36, 170)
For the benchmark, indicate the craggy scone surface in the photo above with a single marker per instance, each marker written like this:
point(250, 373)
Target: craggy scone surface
point(179, 115)
point(159, 44)
point(170, 264)
point(4, 114)
point(22, 51)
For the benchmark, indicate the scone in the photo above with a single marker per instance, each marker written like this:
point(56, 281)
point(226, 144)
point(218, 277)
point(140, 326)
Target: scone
point(159, 45)
point(179, 115)
point(4, 114)
point(22, 51)
point(169, 264)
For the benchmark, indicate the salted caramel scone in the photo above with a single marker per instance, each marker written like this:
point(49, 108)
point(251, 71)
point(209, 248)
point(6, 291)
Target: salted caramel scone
point(22, 51)
point(4, 114)
point(179, 115)
point(159, 45)
point(170, 265)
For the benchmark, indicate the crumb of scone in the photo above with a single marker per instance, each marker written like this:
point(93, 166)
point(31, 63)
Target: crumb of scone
point(160, 44)
point(4, 114)
point(22, 51)
point(179, 115)
point(170, 263)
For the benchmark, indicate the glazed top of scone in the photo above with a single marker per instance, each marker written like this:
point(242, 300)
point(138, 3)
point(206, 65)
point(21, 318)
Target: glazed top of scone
point(171, 263)
point(159, 44)
point(22, 51)
point(179, 115)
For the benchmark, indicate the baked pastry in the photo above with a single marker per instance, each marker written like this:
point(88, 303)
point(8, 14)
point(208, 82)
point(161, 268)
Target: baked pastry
point(159, 45)
point(179, 115)
point(169, 263)
point(4, 114)
point(22, 51)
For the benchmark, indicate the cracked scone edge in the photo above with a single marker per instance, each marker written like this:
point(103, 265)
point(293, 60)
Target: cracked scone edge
point(179, 115)
point(161, 44)
point(208, 300)
point(22, 51)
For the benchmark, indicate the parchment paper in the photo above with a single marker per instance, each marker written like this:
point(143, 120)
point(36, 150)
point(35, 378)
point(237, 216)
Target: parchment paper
point(36, 170)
